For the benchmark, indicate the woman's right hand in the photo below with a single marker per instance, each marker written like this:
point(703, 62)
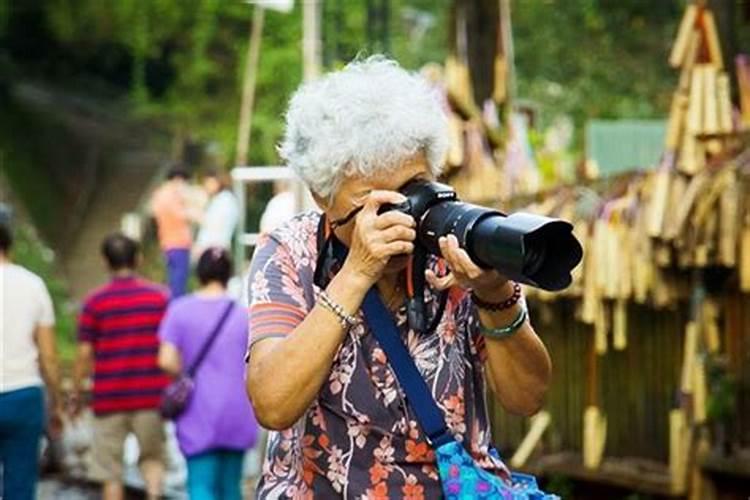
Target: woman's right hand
point(378, 238)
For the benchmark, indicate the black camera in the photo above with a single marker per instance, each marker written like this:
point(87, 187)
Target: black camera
point(532, 249)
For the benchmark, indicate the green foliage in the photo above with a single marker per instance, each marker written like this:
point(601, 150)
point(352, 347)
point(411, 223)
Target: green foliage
point(183, 61)
point(30, 252)
point(186, 59)
point(596, 59)
point(721, 405)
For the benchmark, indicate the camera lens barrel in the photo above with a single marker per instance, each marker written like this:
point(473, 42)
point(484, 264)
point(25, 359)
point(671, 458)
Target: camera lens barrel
point(532, 249)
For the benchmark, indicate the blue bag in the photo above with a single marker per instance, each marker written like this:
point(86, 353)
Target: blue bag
point(461, 477)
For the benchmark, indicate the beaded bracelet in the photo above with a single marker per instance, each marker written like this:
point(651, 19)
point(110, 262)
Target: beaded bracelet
point(505, 331)
point(346, 320)
point(499, 306)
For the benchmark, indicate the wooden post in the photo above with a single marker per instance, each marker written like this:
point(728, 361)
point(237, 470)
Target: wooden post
point(311, 39)
point(248, 86)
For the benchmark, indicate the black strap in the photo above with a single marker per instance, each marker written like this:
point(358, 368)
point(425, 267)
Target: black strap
point(209, 342)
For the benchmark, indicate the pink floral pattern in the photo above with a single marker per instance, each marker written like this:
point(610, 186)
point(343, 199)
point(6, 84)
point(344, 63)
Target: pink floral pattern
point(359, 439)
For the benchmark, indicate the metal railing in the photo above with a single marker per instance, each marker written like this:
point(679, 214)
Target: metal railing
point(244, 176)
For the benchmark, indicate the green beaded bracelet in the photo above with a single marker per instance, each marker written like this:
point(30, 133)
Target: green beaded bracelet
point(505, 331)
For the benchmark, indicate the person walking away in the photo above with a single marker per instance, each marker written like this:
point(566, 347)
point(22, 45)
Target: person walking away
point(220, 217)
point(27, 359)
point(218, 424)
point(173, 214)
point(117, 331)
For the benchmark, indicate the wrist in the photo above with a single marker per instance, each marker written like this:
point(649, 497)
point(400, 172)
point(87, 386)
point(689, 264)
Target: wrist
point(355, 279)
point(496, 293)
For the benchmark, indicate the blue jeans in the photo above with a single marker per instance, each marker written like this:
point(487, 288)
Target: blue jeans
point(178, 270)
point(21, 426)
point(215, 475)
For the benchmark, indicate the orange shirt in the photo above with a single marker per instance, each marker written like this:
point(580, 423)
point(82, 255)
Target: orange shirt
point(169, 206)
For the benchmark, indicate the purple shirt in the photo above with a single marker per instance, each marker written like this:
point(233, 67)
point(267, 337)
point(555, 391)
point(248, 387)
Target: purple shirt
point(219, 414)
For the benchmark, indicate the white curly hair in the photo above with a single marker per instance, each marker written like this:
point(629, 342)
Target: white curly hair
point(363, 120)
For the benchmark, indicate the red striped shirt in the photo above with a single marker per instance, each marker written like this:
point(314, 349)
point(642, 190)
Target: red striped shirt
point(121, 321)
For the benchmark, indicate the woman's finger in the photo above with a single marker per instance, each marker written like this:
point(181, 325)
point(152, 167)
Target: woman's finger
point(440, 282)
point(377, 198)
point(472, 270)
point(449, 253)
point(395, 233)
point(393, 218)
point(395, 248)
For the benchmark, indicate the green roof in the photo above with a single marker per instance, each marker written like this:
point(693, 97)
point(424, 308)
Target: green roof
point(621, 145)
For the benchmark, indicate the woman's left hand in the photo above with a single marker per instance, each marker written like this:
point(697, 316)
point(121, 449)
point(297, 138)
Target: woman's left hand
point(488, 284)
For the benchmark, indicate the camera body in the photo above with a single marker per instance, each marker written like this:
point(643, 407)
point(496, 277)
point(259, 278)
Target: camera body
point(532, 249)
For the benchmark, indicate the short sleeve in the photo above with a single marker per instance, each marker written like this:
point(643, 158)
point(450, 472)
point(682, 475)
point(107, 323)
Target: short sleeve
point(276, 298)
point(87, 323)
point(47, 311)
point(169, 330)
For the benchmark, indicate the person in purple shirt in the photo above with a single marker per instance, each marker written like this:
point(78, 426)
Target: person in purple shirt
point(218, 424)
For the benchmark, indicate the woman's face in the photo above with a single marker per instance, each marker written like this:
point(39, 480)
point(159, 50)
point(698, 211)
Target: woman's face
point(353, 193)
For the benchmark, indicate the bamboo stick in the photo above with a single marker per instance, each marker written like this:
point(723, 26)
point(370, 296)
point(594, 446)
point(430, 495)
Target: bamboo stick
point(729, 218)
point(600, 330)
point(711, 325)
point(712, 39)
point(725, 103)
point(677, 56)
point(677, 450)
point(500, 91)
point(688, 357)
point(695, 107)
point(601, 244)
point(539, 424)
point(676, 195)
point(590, 292)
point(710, 123)
point(658, 202)
point(594, 437)
point(690, 58)
point(676, 119)
point(699, 391)
point(620, 321)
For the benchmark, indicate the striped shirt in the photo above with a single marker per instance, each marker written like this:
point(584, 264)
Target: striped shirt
point(121, 321)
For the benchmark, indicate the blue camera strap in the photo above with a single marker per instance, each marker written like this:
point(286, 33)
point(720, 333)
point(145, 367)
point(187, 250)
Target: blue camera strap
point(384, 328)
point(418, 395)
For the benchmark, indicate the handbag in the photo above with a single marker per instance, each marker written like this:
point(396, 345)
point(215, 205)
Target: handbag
point(460, 475)
point(176, 395)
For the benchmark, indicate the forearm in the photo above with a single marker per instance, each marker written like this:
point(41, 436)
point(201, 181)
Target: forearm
point(48, 362)
point(50, 369)
point(285, 376)
point(519, 365)
point(81, 370)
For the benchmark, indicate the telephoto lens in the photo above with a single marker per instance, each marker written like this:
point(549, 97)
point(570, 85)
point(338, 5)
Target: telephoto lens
point(532, 249)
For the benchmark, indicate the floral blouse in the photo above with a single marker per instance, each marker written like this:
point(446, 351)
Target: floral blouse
point(360, 439)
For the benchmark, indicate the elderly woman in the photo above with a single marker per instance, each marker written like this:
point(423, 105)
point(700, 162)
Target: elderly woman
point(316, 374)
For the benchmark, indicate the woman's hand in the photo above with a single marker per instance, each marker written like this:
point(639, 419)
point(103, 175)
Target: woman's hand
point(378, 238)
point(489, 285)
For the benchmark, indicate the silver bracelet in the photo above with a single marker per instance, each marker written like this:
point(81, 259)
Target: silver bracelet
point(346, 320)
